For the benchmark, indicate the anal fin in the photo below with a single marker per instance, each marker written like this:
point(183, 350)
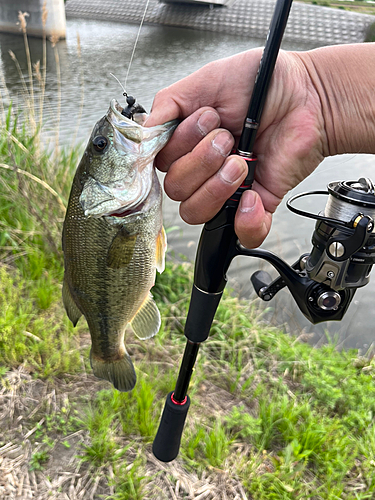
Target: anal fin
point(147, 321)
point(70, 306)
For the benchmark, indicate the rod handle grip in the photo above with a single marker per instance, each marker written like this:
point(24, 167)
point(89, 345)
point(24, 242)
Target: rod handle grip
point(168, 438)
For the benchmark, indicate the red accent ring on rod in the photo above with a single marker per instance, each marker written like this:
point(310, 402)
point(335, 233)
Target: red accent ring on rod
point(180, 403)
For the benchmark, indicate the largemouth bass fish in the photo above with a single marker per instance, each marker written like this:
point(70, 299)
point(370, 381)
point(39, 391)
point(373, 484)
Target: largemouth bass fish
point(113, 239)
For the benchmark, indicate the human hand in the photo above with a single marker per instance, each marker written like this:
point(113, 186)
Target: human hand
point(292, 140)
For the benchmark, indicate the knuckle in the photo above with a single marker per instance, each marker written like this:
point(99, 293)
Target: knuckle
point(189, 216)
point(174, 190)
point(206, 162)
point(210, 193)
point(159, 96)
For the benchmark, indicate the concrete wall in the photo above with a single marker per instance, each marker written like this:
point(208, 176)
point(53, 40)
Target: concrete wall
point(55, 23)
point(306, 24)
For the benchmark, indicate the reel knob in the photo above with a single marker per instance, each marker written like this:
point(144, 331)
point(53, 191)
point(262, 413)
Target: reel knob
point(260, 281)
point(336, 249)
point(329, 301)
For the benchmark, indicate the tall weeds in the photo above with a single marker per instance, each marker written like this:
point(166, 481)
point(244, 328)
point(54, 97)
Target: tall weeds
point(32, 178)
point(34, 188)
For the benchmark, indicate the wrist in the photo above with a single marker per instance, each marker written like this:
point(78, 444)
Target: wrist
point(343, 78)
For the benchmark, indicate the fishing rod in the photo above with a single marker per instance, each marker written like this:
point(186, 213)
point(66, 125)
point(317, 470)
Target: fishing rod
point(322, 282)
point(217, 246)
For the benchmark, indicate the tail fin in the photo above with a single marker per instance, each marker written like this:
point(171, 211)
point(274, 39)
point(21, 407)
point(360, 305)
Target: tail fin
point(120, 372)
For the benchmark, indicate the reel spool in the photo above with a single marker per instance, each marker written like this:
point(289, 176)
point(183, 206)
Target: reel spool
point(343, 257)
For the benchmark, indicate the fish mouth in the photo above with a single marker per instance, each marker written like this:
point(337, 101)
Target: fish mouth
point(116, 109)
point(134, 131)
point(138, 146)
point(126, 130)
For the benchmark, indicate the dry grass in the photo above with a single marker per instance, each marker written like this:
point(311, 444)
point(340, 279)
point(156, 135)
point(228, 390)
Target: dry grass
point(25, 404)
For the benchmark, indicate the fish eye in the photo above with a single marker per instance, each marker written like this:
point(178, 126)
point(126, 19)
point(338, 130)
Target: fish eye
point(100, 143)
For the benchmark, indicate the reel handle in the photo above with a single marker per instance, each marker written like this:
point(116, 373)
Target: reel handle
point(260, 281)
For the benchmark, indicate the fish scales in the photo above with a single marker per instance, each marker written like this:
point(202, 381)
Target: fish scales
point(113, 242)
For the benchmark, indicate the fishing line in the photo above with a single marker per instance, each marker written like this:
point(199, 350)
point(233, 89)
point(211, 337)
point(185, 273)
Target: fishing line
point(115, 77)
point(135, 44)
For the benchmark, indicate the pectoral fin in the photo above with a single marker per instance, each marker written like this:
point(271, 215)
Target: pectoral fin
point(146, 322)
point(161, 248)
point(121, 251)
point(70, 306)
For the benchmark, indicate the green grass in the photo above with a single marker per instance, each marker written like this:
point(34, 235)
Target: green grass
point(297, 421)
point(360, 6)
point(271, 417)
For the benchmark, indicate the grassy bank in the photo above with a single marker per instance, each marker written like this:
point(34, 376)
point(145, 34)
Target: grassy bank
point(360, 6)
point(271, 417)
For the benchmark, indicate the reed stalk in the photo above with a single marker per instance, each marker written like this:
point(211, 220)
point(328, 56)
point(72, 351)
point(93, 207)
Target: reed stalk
point(54, 40)
point(80, 111)
point(3, 90)
point(22, 20)
point(31, 176)
point(39, 181)
point(44, 63)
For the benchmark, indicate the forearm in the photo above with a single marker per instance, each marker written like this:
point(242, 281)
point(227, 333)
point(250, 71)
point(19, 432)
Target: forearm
point(344, 78)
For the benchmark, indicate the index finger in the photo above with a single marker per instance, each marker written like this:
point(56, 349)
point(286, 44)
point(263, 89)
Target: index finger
point(184, 97)
point(187, 135)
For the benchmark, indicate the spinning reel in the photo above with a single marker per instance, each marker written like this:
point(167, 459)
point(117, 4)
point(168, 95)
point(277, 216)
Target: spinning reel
point(323, 283)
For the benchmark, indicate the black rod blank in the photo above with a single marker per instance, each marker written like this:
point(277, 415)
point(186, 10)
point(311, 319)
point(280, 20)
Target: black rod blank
point(263, 78)
point(218, 238)
point(186, 371)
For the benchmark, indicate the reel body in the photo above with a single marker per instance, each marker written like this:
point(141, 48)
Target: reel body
point(323, 283)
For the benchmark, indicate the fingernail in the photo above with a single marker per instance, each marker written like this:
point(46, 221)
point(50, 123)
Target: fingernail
point(247, 201)
point(208, 121)
point(223, 143)
point(232, 170)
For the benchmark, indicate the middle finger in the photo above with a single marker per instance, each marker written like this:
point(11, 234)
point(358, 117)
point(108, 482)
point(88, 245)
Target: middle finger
point(189, 173)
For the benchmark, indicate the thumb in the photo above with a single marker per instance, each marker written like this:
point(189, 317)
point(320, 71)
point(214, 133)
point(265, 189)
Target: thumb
point(253, 222)
point(164, 109)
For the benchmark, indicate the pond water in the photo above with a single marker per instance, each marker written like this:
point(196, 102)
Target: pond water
point(163, 56)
